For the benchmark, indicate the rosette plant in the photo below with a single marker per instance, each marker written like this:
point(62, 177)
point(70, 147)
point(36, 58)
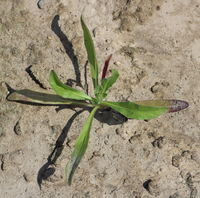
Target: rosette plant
point(139, 110)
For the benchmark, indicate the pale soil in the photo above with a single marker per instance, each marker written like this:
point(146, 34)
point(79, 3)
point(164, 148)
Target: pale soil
point(156, 48)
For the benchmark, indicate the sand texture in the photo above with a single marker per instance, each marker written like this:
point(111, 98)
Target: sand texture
point(156, 49)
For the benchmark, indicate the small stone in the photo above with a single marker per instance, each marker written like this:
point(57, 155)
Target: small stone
point(186, 154)
point(117, 63)
point(43, 3)
point(17, 128)
point(158, 142)
point(155, 88)
point(117, 131)
point(176, 160)
point(133, 138)
point(196, 156)
point(49, 37)
point(26, 177)
point(152, 187)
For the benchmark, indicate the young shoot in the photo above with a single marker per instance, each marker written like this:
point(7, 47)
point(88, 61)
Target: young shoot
point(64, 94)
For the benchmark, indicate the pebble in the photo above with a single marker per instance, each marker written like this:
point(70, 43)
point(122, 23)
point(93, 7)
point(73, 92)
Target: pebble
point(159, 142)
point(17, 128)
point(155, 88)
point(152, 187)
point(176, 160)
point(42, 3)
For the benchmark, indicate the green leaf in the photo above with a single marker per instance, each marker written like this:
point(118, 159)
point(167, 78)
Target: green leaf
point(66, 91)
point(108, 82)
point(29, 96)
point(137, 111)
point(172, 105)
point(80, 147)
point(89, 45)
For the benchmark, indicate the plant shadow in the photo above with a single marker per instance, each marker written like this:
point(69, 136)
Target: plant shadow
point(110, 116)
point(107, 115)
point(46, 170)
point(68, 49)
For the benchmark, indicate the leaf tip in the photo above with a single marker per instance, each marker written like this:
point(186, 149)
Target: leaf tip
point(178, 105)
point(105, 68)
point(82, 20)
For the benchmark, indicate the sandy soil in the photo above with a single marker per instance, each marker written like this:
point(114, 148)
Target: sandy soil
point(156, 48)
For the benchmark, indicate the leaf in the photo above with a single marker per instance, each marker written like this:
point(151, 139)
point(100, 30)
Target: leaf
point(66, 91)
point(106, 83)
point(89, 45)
point(173, 105)
point(80, 147)
point(139, 111)
point(29, 96)
point(105, 68)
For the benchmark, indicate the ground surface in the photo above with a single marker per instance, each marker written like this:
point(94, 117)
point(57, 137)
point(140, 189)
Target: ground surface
point(156, 48)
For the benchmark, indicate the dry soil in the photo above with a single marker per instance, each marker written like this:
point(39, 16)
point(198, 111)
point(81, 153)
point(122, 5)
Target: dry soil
point(156, 48)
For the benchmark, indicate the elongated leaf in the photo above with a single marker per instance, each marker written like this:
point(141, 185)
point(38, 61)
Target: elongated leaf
point(29, 96)
point(105, 68)
point(80, 147)
point(172, 105)
point(89, 45)
point(66, 91)
point(108, 82)
point(144, 110)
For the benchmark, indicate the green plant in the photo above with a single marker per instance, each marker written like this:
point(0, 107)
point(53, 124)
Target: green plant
point(140, 110)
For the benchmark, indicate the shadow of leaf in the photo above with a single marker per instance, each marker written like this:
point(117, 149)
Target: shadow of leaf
point(67, 46)
point(46, 171)
point(110, 117)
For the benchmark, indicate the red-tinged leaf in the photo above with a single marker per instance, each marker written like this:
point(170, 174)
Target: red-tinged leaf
point(147, 109)
point(105, 68)
point(173, 105)
point(178, 105)
point(136, 111)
